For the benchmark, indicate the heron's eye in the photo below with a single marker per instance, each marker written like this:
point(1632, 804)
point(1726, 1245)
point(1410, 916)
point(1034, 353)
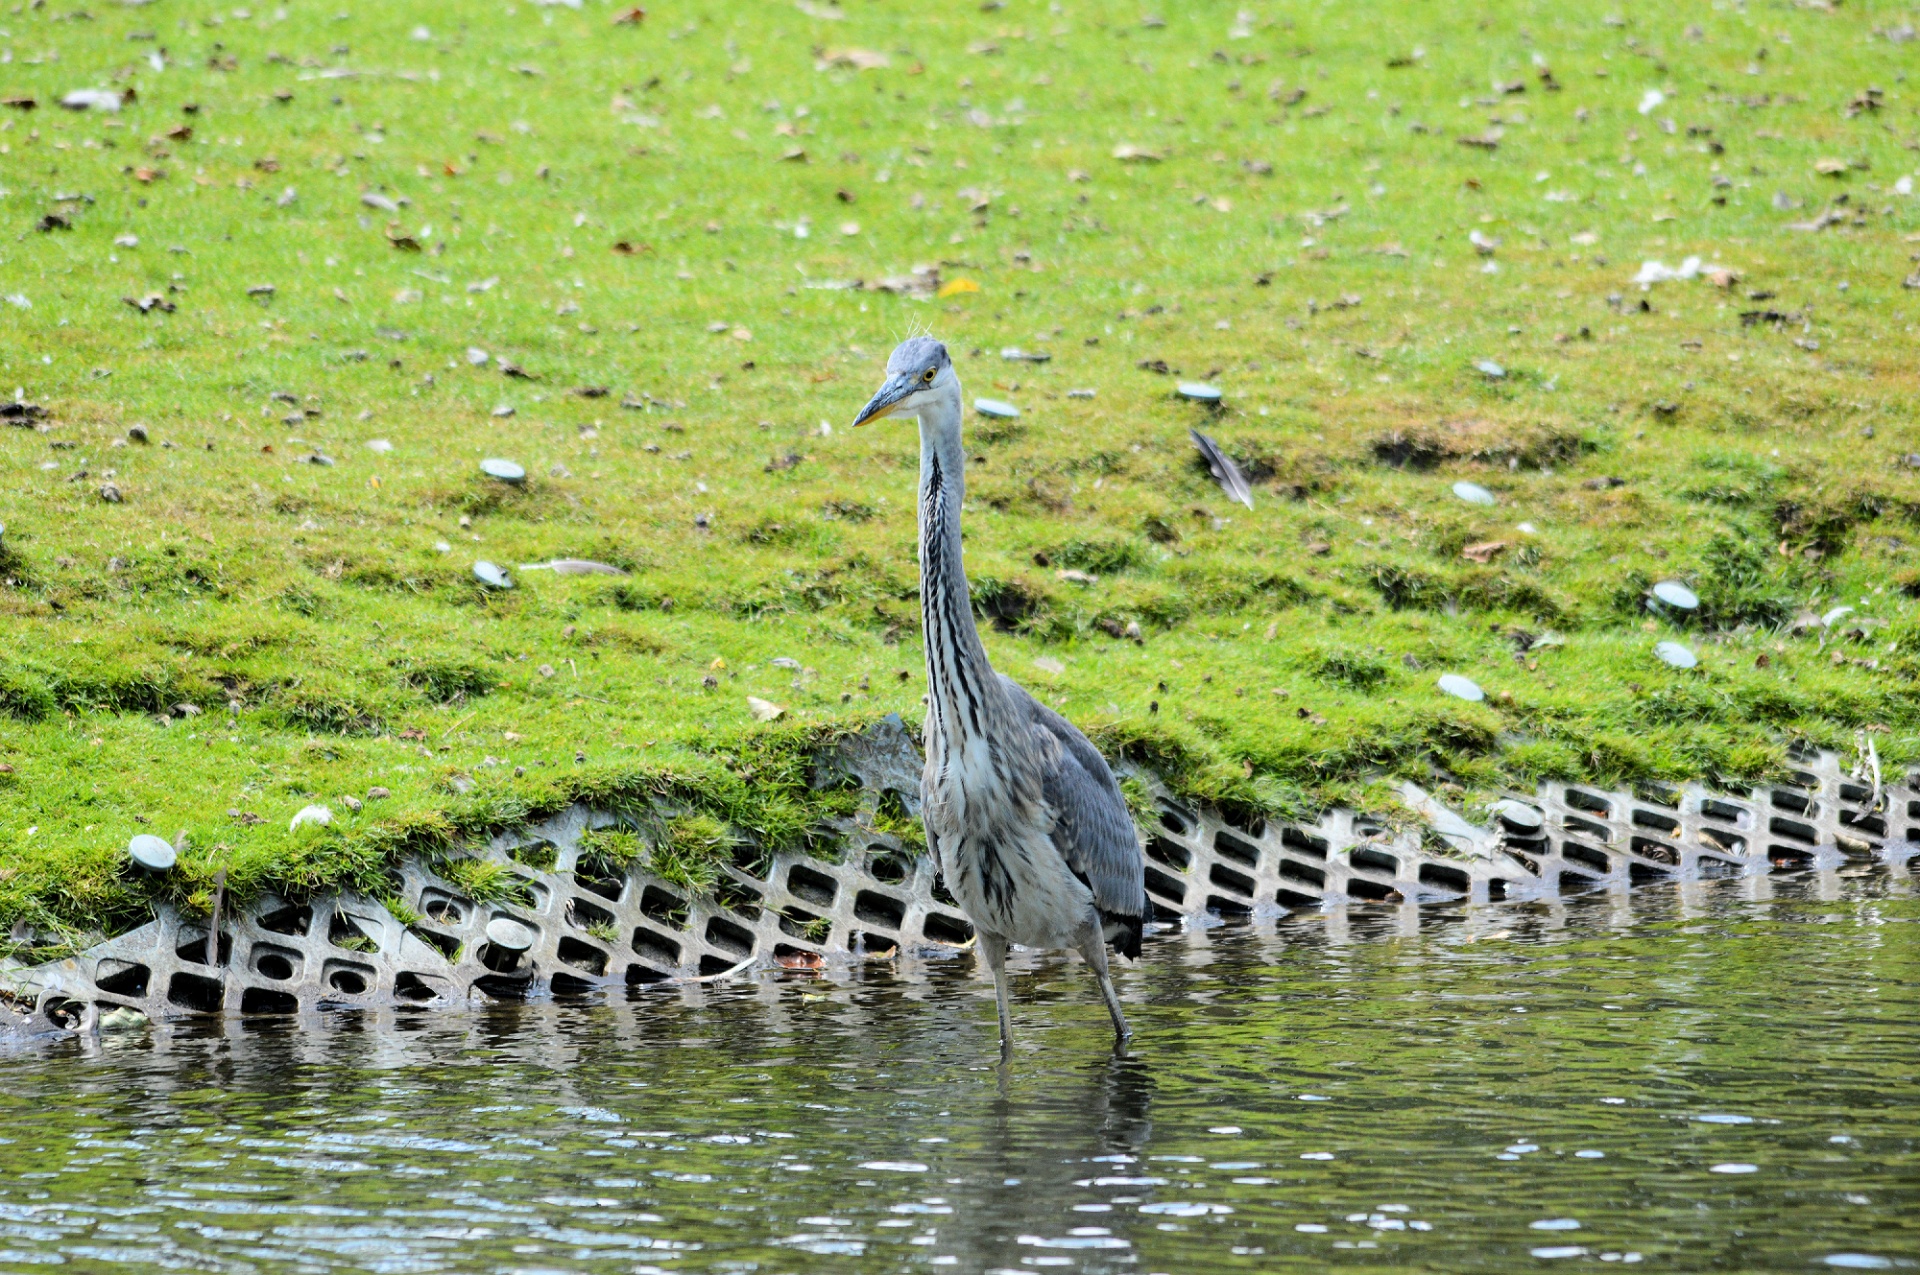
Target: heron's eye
point(928, 376)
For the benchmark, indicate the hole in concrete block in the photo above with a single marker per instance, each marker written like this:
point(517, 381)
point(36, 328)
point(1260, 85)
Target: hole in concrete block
point(1641, 873)
point(944, 895)
point(1658, 822)
point(801, 924)
point(501, 960)
point(193, 947)
point(582, 956)
point(1724, 811)
point(268, 1000)
point(1177, 820)
point(872, 944)
point(501, 988)
point(1294, 899)
point(442, 908)
point(292, 919)
point(1789, 799)
point(122, 978)
point(1232, 847)
point(568, 985)
point(1526, 861)
point(583, 915)
point(1872, 824)
point(356, 934)
point(655, 947)
point(1788, 858)
point(939, 927)
point(879, 909)
point(1174, 855)
point(1587, 828)
point(1227, 879)
point(541, 856)
point(1374, 860)
point(196, 992)
point(711, 965)
point(724, 933)
point(1587, 856)
point(815, 887)
point(1305, 842)
point(1370, 891)
point(1726, 841)
point(1160, 883)
point(607, 887)
point(277, 963)
point(347, 978)
point(887, 867)
point(639, 974)
point(445, 944)
point(1589, 802)
point(1858, 794)
point(63, 1013)
point(1658, 851)
point(1442, 877)
point(668, 909)
point(1572, 882)
point(1496, 889)
point(1793, 830)
point(1222, 906)
point(738, 897)
point(1291, 871)
point(409, 986)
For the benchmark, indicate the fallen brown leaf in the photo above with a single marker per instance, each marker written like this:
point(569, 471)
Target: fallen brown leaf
point(1484, 552)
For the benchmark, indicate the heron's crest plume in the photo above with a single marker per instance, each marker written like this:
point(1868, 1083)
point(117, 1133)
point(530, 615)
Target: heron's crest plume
point(916, 354)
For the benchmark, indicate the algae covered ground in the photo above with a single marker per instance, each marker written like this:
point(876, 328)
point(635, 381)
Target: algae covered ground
point(268, 316)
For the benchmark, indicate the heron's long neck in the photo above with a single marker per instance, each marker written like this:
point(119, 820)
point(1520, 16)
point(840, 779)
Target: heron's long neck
point(961, 687)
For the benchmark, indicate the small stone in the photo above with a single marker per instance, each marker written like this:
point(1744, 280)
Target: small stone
point(110, 493)
point(1678, 654)
point(1491, 370)
point(378, 794)
point(351, 802)
point(1675, 594)
point(138, 434)
point(1517, 815)
point(1473, 493)
point(995, 408)
point(1198, 392)
point(477, 357)
point(1461, 687)
point(505, 470)
point(155, 854)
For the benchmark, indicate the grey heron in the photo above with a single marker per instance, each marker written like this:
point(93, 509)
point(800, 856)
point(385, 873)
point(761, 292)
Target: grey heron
point(1023, 816)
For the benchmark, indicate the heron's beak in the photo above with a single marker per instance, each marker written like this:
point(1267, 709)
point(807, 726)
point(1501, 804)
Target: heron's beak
point(886, 401)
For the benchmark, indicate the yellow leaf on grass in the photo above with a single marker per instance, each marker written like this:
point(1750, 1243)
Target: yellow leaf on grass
point(954, 287)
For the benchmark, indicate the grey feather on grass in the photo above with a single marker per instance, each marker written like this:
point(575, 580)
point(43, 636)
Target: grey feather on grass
point(1224, 471)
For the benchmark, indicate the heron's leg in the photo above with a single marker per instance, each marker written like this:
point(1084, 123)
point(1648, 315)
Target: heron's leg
point(1093, 946)
point(994, 949)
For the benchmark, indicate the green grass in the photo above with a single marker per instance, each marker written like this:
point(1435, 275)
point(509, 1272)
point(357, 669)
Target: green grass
point(1302, 240)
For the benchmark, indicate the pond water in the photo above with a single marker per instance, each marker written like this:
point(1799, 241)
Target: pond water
point(1718, 1076)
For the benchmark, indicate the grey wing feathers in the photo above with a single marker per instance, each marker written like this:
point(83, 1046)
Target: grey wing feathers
point(1224, 471)
point(1093, 830)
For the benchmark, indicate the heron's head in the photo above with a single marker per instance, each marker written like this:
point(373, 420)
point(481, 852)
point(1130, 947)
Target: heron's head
point(917, 373)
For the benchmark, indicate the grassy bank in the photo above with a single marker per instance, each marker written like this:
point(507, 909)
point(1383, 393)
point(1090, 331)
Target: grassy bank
point(659, 263)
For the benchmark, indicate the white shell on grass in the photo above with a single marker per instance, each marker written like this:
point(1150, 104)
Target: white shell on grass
point(1198, 391)
point(155, 854)
point(1462, 687)
point(573, 567)
point(1675, 594)
point(1473, 493)
point(319, 816)
point(494, 577)
point(1678, 654)
point(504, 931)
point(1487, 367)
point(505, 470)
point(995, 408)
